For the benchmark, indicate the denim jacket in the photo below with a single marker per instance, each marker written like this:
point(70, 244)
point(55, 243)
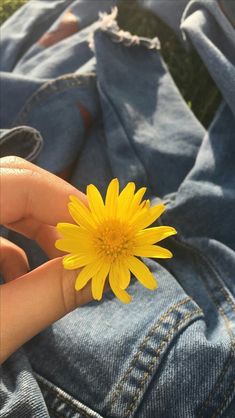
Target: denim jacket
point(106, 106)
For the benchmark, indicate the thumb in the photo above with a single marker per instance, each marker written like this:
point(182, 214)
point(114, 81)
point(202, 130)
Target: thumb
point(33, 301)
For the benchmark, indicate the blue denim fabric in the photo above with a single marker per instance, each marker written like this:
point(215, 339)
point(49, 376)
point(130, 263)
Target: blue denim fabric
point(170, 353)
point(170, 11)
point(26, 142)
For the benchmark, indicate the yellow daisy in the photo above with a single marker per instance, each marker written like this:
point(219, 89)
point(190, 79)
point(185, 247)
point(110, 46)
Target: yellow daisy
point(109, 236)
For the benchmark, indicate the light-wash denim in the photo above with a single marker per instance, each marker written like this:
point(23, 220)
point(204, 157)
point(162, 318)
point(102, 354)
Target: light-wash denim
point(104, 101)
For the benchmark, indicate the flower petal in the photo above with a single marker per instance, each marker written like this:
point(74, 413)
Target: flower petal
point(74, 246)
point(68, 230)
point(98, 281)
point(152, 235)
point(147, 216)
point(135, 202)
point(125, 198)
point(96, 203)
point(81, 214)
point(112, 198)
point(145, 204)
point(121, 294)
point(87, 273)
point(124, 275)
point(74, 261)
point(142, 273)
point(152, 251)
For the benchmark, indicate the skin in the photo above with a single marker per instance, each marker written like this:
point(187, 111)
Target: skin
point(32, 202)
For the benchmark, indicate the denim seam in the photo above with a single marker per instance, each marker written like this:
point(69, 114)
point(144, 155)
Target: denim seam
point(229, 393)
point(38, 141)
point(231, 355)
point(226, 295)
point(60, 397)
point(164, 342)
point(143, 344)
point(55, 412)
point(227, 363)
point(47, 89)
point(59, 415)
point(226, 367)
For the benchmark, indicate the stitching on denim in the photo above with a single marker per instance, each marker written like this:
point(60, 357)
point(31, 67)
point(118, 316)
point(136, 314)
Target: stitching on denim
point(227, 363)
point(59, 415)
point(55, 412)
point(220, 409)
point(143, 344)
point(60, 396)
point(36, 136)
point(226, 320)
point(217, 274)
point(158, 353)
point(51, 87)
point(231, 355)
point(9, 135)
point(224, 370)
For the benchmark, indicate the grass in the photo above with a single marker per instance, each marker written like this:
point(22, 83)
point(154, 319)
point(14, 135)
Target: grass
point(186, 68)
point(7, 7)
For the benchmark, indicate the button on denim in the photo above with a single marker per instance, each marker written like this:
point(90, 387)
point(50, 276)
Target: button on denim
point(104, 101)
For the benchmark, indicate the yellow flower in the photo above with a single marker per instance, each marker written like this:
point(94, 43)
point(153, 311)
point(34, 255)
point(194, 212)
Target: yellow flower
point(108, 238)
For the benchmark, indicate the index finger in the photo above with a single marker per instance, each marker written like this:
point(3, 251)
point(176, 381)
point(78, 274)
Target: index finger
point(28, 191)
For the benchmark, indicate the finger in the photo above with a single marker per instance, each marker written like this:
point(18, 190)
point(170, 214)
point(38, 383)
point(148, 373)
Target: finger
point(32, 302)
point(17, 162)
point(30, 192)
point(13, 260)
point(44, 235)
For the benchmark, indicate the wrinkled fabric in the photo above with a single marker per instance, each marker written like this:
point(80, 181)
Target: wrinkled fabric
point(24, 141)
point(98, 94)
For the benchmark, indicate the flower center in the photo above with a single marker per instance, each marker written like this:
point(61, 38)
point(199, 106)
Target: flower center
point(114, 239)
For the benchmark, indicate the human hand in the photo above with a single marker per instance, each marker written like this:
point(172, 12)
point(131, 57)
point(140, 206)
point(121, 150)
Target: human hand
point(33, 201)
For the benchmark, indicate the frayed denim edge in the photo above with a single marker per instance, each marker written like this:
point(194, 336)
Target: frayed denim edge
point(108, 24)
